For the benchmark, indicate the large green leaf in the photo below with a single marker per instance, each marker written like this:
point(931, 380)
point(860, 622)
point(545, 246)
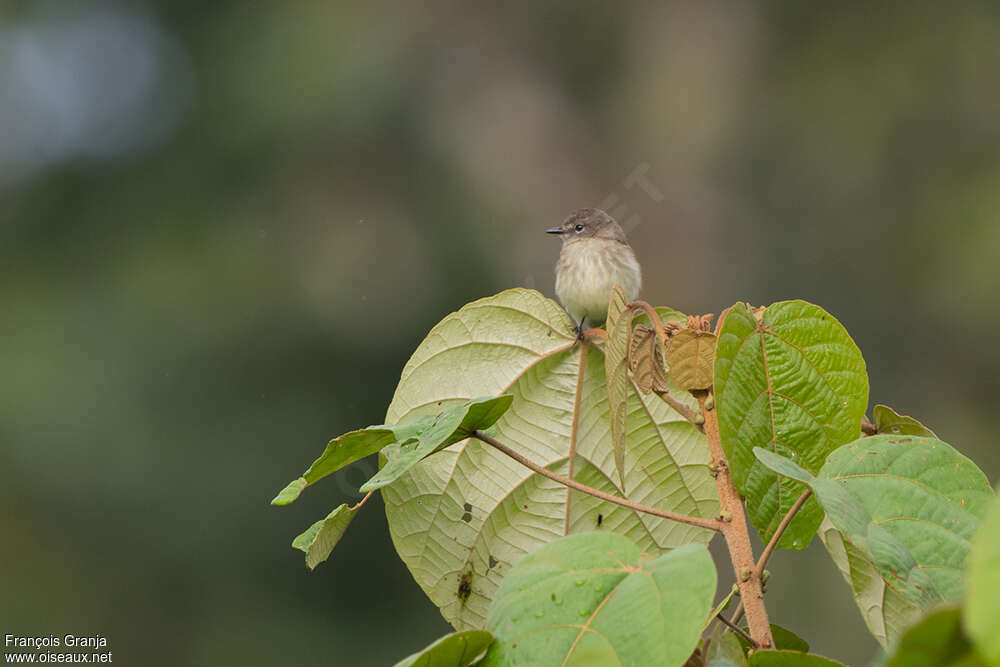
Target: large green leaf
point(586, 600)
point(461, 518)
point(923, 493)
point(936, 641)
point(905, 509)
point(982, 607)
point(793, 383)
point(458, 649)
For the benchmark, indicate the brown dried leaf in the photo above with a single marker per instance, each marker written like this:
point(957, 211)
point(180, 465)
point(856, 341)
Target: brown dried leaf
point(691, 357)
point(645, 359)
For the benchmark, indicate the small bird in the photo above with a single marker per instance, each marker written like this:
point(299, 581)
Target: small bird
point(595, 257)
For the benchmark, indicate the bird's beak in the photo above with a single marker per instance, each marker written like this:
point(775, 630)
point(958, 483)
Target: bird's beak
point(554, 230)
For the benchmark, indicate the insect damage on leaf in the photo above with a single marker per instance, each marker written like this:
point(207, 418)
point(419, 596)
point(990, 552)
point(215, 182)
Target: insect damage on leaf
point(464, 587)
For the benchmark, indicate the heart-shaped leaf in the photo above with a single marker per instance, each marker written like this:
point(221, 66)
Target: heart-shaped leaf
point(791, 381)
point(461, 518)
point(586, 599)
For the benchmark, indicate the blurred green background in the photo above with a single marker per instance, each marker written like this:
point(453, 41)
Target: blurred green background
point(225, 226)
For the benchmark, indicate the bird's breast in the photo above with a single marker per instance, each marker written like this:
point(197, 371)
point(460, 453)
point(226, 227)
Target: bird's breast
point(588, 269)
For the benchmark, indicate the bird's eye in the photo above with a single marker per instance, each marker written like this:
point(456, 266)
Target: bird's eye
point(579, 228)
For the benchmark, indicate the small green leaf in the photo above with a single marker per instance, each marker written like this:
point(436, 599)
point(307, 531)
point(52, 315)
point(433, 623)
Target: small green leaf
point(348, 448)
point(725, 650)
point(288, 494)
point(790, 659)
point(719, 608)
point(982, 606)
point(456, 423)
point(619, 327)
point(889, 422)
point(320, 538)
point(790, 380)
point(458, 649)
point(691, 358)
point(785, 639)
point(782, 465)
point(585, 599)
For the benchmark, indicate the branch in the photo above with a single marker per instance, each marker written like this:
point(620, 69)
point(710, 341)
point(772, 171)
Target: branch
point(363, 500)
point(867, 427)
point(773, 542)
point(735, 530)
point(711, 524)
point(737, 629)
point(771, 545)
point(654, 317)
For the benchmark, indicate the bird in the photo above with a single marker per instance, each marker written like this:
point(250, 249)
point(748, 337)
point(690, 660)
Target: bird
point(595, 257)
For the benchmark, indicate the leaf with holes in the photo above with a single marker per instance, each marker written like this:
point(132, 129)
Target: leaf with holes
point(889, 422)
point(461, 518)
point(794, 383)
point(691, 357)
point(616, 345)
point(458, 649)
point(586, 599)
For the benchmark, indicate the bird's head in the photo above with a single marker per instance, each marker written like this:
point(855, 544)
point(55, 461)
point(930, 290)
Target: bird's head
point(588, 223)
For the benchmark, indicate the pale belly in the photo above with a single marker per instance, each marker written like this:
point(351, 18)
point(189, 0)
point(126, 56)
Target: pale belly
point(588, 270)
